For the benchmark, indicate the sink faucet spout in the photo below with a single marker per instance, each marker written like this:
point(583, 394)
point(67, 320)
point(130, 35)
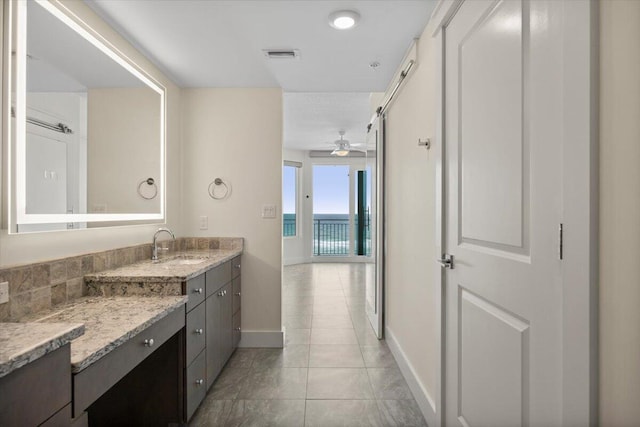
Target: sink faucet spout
point(154, 254)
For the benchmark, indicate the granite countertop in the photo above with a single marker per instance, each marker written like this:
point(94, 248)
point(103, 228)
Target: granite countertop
point(108, 322)
point(176, 268)
point(22, 343)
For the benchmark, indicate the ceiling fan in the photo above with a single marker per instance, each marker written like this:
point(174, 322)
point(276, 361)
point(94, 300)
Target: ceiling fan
point(343, 147)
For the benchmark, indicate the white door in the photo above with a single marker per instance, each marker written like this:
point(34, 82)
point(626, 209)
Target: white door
point(374, 265)
point(503, 128)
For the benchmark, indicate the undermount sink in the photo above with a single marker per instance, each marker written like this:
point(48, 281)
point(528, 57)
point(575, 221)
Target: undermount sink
point(183, 260)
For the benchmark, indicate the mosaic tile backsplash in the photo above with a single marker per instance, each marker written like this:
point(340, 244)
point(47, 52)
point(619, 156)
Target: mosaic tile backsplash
point(35, 287)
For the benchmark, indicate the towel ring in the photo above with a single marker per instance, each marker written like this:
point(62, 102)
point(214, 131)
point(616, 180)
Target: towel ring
point(216, 183)
point(151, 183)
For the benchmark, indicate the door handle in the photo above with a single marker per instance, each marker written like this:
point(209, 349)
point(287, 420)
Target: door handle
point(446, 261)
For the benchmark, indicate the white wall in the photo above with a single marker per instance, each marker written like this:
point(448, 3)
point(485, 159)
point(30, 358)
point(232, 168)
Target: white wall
point(26, 248)
point(410, 208)
point(236, 134)
point(619, 213)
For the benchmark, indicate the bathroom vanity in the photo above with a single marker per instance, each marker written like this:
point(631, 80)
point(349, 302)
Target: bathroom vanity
point(212, 281)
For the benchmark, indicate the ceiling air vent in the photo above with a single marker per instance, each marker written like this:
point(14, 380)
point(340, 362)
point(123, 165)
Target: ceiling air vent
point(282, 53)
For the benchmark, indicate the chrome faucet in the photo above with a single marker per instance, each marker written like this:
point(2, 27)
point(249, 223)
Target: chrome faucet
point(154, 254)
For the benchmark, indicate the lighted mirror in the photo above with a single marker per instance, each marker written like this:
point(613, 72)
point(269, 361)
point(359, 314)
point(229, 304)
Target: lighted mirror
point(88, 127)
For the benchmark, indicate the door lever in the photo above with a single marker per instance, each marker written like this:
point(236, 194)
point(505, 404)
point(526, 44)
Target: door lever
point(446, 261)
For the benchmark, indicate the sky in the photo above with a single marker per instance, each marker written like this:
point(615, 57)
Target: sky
point(330, 189)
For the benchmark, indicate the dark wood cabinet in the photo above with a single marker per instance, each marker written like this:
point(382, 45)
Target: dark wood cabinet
point(38, 393)
point(209, 347)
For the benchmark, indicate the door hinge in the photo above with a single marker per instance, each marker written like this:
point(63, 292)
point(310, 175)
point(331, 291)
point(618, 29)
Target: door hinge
point(560, 242)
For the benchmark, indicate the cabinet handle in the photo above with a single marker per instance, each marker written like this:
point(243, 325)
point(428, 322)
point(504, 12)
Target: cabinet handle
point(237, 294)
point(199, 331)
point(199, 382)
point(197, 291)
point(148, 343)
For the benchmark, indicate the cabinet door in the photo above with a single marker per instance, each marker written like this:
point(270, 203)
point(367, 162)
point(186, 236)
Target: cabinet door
point(226, 322)
point(213, 329)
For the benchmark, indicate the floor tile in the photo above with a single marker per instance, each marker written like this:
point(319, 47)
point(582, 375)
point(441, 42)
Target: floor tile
point(297, 336)
point(331, 322)
point(338, 383)
point(292, 356)
point(389, 384)
point(242, 358)
point(335, 356)
point(297, 322)
point(405, 413)
point(378, 357)
point(228, 384)
point(334, 413)
point(275, 383)
point(212, 413)
point(263, 413)
point(333, 336)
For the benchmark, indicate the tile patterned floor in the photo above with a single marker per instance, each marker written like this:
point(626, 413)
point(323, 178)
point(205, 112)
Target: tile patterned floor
point(333, 371)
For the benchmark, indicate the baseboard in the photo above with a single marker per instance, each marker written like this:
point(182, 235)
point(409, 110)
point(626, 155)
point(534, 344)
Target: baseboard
point(425, 402)
point(295, 261)
point(267, 339)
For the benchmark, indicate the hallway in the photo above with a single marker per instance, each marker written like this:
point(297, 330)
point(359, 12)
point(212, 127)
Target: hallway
point(333, 370)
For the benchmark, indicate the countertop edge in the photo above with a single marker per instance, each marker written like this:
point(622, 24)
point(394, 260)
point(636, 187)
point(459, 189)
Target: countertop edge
point(79, 366)
point(107, 277)
point(33, 353)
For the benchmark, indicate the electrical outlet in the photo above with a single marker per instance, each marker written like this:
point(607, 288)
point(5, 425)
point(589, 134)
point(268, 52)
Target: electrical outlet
point(204, 222)
point(268, 211)
point(4, 292)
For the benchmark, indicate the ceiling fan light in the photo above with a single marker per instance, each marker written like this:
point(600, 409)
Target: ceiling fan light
point(340, 152)
point(344, 19)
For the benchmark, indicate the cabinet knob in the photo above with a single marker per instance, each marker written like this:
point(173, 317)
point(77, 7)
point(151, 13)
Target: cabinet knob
point(199, 382)
point(238, 329)
point(197, 290)
point(237, 266)
point(220, 294)
point(225, 292)
point(199, 331)
point(149, 342)
point(237, 294)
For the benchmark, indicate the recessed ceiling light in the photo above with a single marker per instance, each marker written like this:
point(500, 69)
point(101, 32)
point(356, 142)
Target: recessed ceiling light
point(344, 19)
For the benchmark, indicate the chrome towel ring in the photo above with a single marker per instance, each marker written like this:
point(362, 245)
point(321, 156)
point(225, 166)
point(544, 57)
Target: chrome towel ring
point(151, 189)
point(218, 189)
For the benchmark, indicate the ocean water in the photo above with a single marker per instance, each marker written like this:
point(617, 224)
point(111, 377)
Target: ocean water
point(331, 233)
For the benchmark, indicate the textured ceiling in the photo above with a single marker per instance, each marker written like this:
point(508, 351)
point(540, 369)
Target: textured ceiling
point(312, 120)
point(211, 43)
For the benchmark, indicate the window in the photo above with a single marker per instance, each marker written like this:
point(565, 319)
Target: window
point(289, 199)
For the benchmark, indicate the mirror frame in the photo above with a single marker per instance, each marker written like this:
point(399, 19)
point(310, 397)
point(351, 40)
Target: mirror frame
point(14, 132)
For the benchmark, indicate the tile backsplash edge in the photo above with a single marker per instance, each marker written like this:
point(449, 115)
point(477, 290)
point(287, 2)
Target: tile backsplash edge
point(42, 285)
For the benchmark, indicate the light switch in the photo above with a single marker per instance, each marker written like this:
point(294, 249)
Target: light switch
point(268, 211)
point(204, 222)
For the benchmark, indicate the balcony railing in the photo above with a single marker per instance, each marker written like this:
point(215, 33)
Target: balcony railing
point(331, 236)
point(289, 227)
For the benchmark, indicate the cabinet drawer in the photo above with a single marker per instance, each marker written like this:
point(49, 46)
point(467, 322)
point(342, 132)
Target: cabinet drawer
point(95, 380)
point(237, 329)
point(196, 332)
point(237, 287)
point(33, 393)
point(62, 418)
point(195, 288)
point(218, 277)
point(235, 267)
point(195, 387)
